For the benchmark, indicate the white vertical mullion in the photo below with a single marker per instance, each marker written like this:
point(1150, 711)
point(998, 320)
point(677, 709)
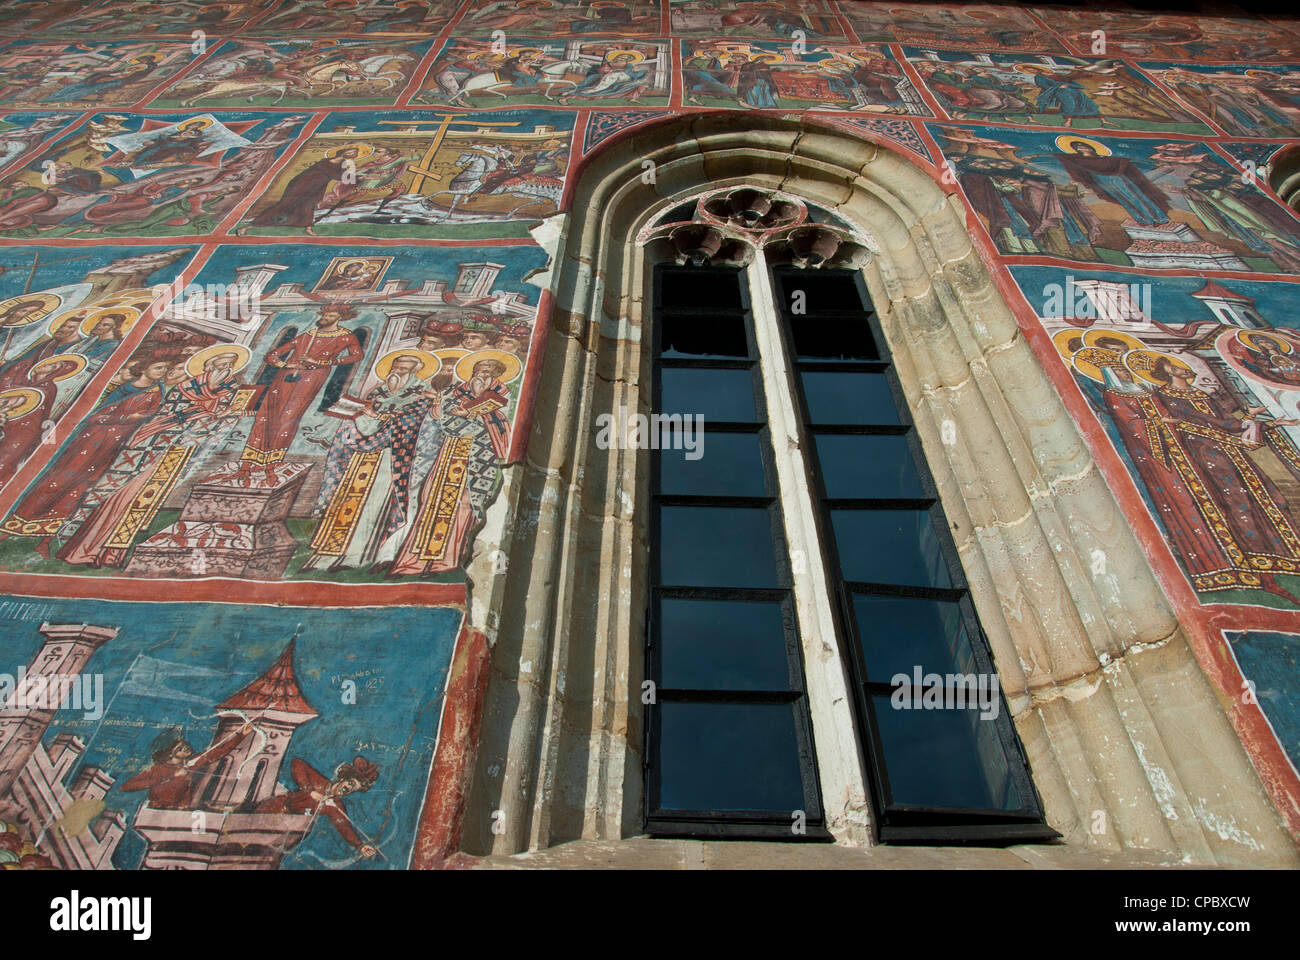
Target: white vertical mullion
point(835, 738)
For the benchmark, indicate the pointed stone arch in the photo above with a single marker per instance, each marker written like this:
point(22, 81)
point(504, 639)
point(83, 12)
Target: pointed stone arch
point(1130, 749)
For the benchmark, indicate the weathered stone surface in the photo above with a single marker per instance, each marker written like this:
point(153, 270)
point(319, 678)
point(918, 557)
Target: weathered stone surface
point(1087, 650)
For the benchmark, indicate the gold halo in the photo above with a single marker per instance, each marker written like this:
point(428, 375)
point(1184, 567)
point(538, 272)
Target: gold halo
point(1091, 337)
point(363, 150)
point(636, 55)
point(1142, 362)
point(201, 122)
point(48, 301)
point(1248, 338)
point(524, 50)
point(132, 315)
point(1029, 67)
point(766, 57)
point(450, 355)
point(194, 365)
point(465, 366)
point(69, 316)
point(1061, 336)
point(32, 401)
point(429, 364)
point(1066, 143)
point(135, 297)
point(60, 358)
point(1090, 360)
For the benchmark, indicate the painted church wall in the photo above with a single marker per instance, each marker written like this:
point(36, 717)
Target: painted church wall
point(272, 317)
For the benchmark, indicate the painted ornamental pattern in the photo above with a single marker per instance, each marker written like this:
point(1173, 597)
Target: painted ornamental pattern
point(269, 335)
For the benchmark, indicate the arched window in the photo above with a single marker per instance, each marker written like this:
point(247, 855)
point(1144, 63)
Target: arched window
point(729, 746)
point(215, 781)
point(1089, 655)
point(255, 784)
point(1284, 175)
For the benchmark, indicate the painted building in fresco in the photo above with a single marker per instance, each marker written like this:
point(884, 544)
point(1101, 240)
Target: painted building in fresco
point(274, 309)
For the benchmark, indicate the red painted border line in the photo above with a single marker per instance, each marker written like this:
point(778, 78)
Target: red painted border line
point(1160, 85)
point(1087, 266)
point(1208, 645)
point(918, 82)
point(283, 593)
point(524, 409)
point(44, 145)
point(265, 181)
point(440, 828)
point(94, 389)
point(421, 71)
point(845, 24)
point(199, 58)
point(1198, 622)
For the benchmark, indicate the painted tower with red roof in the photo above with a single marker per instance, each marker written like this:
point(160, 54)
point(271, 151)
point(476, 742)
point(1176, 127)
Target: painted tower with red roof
point(220, 829)
point(1230, 307)
point(275, 705)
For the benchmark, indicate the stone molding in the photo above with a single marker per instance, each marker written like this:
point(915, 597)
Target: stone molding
point(1131, 751)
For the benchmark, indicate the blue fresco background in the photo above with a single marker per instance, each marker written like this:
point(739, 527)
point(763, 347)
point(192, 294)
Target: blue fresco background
point(1271, 661)
point(172, 663)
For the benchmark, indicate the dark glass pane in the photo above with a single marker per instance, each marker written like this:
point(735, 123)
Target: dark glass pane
point(722, 645)
point(713, 394)
point(723, 756)
point(836, 398)
point(867, 467)
point(703, 336)
point(823, 292)
point(716, 547)
point(816, 338)
point(898, 634)
point(944, 757)
point(698, 289)
point(712, 464)
point(889, 546)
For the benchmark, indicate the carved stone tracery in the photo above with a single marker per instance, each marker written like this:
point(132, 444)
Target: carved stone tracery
point(1120, 723)
point(725, 227)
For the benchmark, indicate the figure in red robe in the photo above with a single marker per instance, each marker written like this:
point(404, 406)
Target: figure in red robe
point(85, 457)
point(318, 795)
point(1227, 521)
point(22, 434)
point(170, 780)
point(14, 373)
point(304, 363)
point(21, 430)
point(1247, 525)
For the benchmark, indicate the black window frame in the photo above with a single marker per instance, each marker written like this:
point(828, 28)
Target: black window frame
point(724, 824)
point(898, 823)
